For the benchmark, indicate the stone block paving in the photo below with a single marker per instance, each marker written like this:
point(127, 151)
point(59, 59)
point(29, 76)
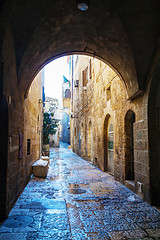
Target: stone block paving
point(79, 201)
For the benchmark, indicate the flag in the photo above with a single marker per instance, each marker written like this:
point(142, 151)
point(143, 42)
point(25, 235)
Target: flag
point(65, 80)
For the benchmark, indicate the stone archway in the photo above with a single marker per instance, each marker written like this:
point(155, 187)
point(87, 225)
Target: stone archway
point(60, 28)
point(39, 33)
point(154, 136)
point(47, 29)
point(129, 145)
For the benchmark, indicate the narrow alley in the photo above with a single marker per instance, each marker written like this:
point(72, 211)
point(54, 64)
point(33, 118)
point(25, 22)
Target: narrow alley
point(79, 201)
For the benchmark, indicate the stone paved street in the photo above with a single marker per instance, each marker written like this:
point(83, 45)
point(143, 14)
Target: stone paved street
point(78, 201)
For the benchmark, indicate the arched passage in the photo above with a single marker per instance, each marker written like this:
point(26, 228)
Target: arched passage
point(129, 145)
point(154, 136)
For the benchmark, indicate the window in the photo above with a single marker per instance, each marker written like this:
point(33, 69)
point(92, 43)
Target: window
point(79, 140)
point(75, 131)
point(76, 60)
point(90, 68)
point(129, 145)
point(108, 93)
point(85, 77)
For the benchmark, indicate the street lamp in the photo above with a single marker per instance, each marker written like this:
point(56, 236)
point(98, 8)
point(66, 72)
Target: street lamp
point(72, 116)
point(83, 5)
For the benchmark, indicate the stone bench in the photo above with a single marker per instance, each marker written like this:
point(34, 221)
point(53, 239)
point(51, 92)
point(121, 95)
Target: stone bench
point(40, 168)
point(45, 158)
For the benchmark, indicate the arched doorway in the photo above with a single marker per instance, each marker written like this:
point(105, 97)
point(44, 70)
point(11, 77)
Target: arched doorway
point(89, 141)
point(129, 145)
point(108, 145)
point(154, 136)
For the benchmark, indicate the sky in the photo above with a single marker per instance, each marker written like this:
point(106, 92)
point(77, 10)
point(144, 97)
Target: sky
point(54, 72)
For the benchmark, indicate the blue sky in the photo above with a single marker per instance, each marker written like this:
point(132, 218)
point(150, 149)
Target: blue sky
point(54, 72)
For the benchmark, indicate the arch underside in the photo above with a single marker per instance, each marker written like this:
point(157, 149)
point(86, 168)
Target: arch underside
point(62, 31)
point(34, 59)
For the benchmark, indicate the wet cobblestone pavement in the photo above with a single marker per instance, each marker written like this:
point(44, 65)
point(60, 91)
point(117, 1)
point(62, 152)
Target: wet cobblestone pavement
point(78, 201)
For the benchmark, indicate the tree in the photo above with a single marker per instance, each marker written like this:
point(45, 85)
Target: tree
point(49, 126)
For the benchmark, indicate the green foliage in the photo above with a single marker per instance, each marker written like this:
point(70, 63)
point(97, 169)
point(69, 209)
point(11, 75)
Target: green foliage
point(49, 126)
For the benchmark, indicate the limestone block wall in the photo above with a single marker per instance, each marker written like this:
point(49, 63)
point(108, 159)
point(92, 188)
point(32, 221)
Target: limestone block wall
point(103, 100)
point(33, 122)
point(13, 181)
point(19, 121)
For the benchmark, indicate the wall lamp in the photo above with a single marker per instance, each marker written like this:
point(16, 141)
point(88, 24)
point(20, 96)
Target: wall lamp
point(40, 101)
point(83, 5)
point(72, 116)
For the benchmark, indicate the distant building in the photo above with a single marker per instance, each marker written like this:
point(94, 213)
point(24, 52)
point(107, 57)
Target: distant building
point(65, 118)
point(66, 93)
point(51, 104)
point(65, 128)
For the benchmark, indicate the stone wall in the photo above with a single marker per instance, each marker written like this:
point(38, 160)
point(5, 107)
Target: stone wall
point(101, 101)
point(33, 122)
point(12, 167)
point(18, 120)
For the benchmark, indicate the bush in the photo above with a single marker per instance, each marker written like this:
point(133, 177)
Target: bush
point(49, 126)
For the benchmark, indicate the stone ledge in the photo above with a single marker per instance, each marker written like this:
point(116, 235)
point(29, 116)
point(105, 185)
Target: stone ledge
point(40, 168)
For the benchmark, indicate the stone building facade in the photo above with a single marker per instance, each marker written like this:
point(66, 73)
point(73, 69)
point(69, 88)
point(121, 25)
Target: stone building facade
point(107, 128)
point(65, 118)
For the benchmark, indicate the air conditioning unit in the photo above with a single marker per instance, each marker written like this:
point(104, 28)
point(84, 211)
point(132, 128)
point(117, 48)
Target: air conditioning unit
point(76, 83)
